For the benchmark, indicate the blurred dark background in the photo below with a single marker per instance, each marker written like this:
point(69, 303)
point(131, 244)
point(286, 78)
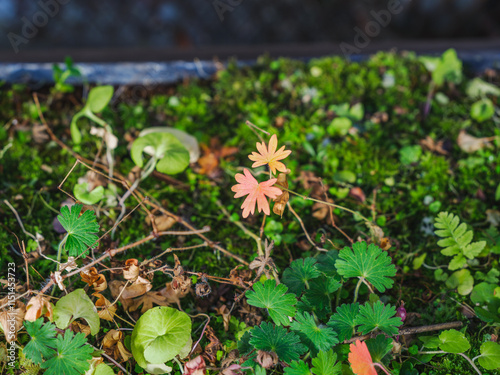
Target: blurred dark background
point(161, 29)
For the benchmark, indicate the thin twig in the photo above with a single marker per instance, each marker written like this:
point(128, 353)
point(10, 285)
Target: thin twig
point(413, 330)
point(304, 228)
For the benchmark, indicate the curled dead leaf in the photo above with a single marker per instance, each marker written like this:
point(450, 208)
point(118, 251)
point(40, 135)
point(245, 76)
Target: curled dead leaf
point(94, 279)
point(38, 306)
point(78, 327)
point(196, 366)
point(162, 222)
point(112, 344)
point(281, 200)
point(131, 269)
point(105, 310)
point(267, 359)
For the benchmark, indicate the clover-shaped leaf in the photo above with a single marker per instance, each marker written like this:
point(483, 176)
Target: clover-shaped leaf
point(276, 339)
point(275, 299)
point(72, 356)
point(171, 155)
point(378, 316)
point(73, 306)
point(81, 230)
point(344, 320)
point(369, 262)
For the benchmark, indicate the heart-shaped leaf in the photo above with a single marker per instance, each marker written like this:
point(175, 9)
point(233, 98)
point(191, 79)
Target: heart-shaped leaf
point(88, 197)
point(172, 156)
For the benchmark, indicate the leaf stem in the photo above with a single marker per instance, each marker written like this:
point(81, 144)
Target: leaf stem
point(379, 365)
point(324, 202)
point(356, 291)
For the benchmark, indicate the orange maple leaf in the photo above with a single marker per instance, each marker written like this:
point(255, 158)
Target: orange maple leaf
point(361, 360)
point(257, 192)
point(269, 155)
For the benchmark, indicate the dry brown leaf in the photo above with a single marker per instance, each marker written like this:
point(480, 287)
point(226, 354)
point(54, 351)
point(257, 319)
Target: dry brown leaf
point(430, 144)
point(138, 288)
point(385, 243)
point(94, 279)
point(77, 327)
point(105, 310)
point(38, 306)
point(112, 344)
point(131, 269)
point(469, 143)
point(8, 324)
point(39, 133)
point(162, 222)
point(213, 346)
point(226, 316)
point(281, 200)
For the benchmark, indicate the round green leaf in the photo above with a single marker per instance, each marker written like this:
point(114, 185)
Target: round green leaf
point(103, 369)
point(462, 280)
point(99, 98)
point(453, 341)
point(88, 197)
point(482, 110)
point(159, 335)
point(172, 155)
point(482, 293)
point(490, 355)
point(74, 305)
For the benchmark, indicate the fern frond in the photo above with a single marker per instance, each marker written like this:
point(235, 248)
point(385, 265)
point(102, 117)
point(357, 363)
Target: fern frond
point(457, 241)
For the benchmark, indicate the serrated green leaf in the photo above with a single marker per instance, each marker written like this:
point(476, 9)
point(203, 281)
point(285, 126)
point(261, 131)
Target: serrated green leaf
point(326, 363)
point(453, 341)
point(81, 230)
point(172, 157)
point(326, 262)
point(43, 340)
point(378, 316)
point(321, 337)
point(99, 98)
point(430, 342)
point(297, 368)
point(369, 262)
point(297, 276)
point(72, 355)
point(490, 355)
point(275, 299)
point(276, 339)
point(379, 347)
point(73, 306)
point(317, 298)
point(344, 320)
